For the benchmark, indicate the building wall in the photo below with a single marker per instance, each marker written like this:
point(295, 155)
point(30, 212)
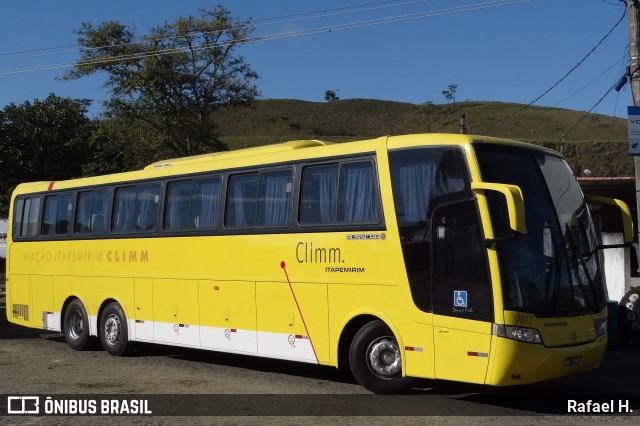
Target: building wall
point(616, 266)
point(3, 237)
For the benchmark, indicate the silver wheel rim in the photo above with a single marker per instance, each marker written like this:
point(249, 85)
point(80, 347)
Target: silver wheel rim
point(383, 358)
point(76, 325)
point(112, 329)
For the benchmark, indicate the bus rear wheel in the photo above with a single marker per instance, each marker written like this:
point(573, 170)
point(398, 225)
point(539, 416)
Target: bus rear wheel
point(76, 327)
point(113, 330)
point(376, 362)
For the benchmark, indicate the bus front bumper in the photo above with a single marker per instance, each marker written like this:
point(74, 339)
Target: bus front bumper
point(518, 363)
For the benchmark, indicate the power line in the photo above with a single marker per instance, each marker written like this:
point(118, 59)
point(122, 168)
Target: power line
point(266, 22)
point(569, 72)
point(588, 112)
point(276, 36)
point(620, 61)
point(337, 11)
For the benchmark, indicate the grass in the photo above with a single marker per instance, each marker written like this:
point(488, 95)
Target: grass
point(598, 142)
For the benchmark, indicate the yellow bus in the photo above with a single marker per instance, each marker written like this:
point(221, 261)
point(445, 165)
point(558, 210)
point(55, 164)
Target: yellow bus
point(435, 256)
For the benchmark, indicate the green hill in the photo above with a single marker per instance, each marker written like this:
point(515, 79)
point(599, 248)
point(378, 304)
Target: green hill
point(598, 142)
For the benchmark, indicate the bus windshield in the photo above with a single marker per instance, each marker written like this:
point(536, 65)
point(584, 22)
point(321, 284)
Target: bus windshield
point(555, 269)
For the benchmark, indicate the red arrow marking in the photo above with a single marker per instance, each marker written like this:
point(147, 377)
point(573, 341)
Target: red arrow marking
point(284, 268)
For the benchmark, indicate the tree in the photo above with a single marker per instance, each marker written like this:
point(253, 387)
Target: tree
point(450, 94)
point(120, 144)
point(330, 96)
point(174, 78)
point(427, 108)
point(41, 140)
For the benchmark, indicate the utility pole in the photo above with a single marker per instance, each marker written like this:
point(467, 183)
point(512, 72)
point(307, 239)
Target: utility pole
point(634, 77)
point(463, 125)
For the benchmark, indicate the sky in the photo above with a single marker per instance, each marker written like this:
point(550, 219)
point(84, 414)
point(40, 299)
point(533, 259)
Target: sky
point(402, 50)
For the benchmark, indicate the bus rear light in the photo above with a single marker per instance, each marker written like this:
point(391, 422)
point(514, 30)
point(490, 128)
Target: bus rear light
point(520, 334)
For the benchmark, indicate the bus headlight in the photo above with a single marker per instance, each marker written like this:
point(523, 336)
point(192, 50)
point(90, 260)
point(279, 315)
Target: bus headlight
point(520, 334)
point(601, 326)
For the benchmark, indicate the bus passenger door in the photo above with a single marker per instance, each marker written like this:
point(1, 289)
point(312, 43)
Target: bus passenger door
point(462, 303)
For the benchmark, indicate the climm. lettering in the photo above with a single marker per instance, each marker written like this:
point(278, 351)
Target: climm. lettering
point(307, 253)
point(130, 256)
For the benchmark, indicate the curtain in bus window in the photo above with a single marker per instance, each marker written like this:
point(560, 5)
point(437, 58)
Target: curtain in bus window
point(147, 209)
point(205, 204)
point(328, 194)
point(124, 210)
point(415, 183)
point(358, 195)
point(275, 195)
point(242, 200)
point(319, 194)
point(177, 215)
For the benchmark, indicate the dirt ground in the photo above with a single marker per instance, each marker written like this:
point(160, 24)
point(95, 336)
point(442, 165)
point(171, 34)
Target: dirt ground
point(34, 362)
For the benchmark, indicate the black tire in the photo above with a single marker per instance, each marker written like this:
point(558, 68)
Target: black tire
point(375, 360)
point(76, 327)
point(113, 330)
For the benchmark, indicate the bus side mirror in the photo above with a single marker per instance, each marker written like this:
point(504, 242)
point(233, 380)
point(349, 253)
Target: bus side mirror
point(515, 202)
point(625, 213)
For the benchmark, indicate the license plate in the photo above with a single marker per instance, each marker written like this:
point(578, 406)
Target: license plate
point(573, 360)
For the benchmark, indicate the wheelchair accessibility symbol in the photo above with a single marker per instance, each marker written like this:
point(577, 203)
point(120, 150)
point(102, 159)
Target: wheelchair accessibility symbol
point(460, 298)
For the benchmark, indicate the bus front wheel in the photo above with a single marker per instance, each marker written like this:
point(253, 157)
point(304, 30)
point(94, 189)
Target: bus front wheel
point(113, 330)
point(375, 360)
point(76, 327)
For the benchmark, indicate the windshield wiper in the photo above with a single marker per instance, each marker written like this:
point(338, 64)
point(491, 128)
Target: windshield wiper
point(552, 291)
point(578, 260)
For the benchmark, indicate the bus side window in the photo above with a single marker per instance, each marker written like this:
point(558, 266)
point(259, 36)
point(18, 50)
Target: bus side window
point(205, 203)
point(136, 209)
point(242, 200)
point(259, 199)
point(358, 193)
point(49, 215)
point(57, 214)
point(319, 195)
point(192, 204)
point(26, 217)
point(147, 208)
point(340, 193)
point(274, 198)
point(178, 205)
point(91, 212)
